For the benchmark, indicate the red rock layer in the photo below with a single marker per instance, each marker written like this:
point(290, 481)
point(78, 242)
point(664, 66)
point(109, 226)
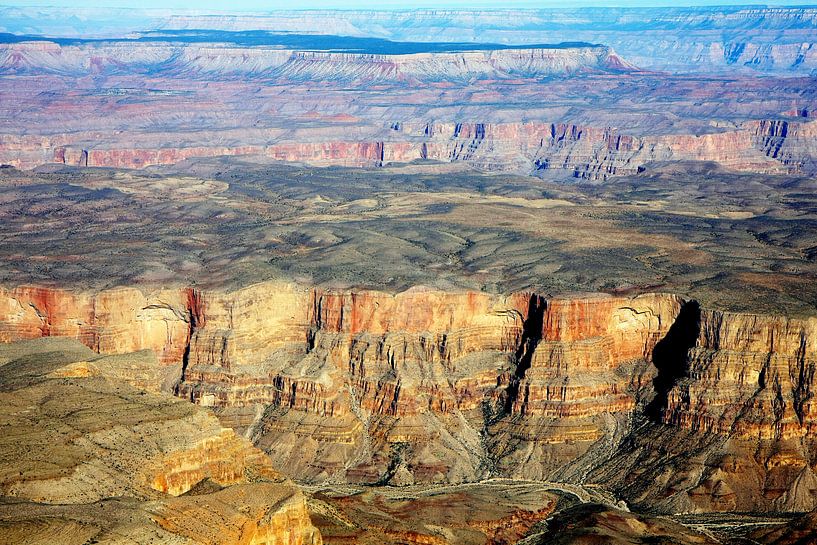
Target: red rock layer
point(359, 368)
point(584, 151)
point(583, 343)
point(112, 321)
point(349, 376)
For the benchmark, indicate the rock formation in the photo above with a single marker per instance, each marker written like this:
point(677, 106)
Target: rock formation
point(592, 523)
point(550, 110)
point(426, 386)
point(75, 436)
point(588, 152)
point(108, 58)
point(480, 513)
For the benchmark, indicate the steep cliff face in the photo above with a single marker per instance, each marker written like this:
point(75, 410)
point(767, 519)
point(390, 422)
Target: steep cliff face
point(703, 409)
point(589, 152)
point(111, 321)
point(738, 423)
point(749, 376)
point(600, 152)
point(581, 371)
point(370, 384)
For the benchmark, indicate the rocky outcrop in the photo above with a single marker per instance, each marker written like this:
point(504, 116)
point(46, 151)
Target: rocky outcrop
point(595, 153)
point(375, 381)
point(738, 427)
point(428, 386)
point(593, 522)
point(479, 513)
point(75, 436)
point(111, 321)
point(749, 376)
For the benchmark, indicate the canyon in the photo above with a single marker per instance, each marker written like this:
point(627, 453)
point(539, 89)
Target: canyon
point(127, 463)
point(678, 38)
point(438, 277)
point(438, 387)
point(558, 110)
point(363, 328)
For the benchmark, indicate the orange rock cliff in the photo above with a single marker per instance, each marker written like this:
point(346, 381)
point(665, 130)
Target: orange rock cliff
point(429, 386)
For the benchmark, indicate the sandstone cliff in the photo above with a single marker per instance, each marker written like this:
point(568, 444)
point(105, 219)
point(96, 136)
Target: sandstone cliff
point(737, 420)
point(427, 386)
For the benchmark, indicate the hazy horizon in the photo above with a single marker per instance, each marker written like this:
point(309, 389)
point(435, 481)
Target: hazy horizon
point(391, 5)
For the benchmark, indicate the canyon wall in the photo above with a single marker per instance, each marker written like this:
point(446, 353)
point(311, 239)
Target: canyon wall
point(595, 153)
point(740, 38)
point(428, 386)
point(739, 411)
point(756, 38)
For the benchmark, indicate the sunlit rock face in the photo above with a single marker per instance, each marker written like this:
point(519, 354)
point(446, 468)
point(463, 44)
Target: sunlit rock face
point(750, 376)
point(75, 436)
point(350, 384)
point(737, 422)
point(559, 107)
point(426, 386)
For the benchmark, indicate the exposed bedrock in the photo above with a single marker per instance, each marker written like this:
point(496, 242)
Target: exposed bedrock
point(737, 428)
point(680, 407)
point(86, 459)
point(590, 152)
point(270, 62)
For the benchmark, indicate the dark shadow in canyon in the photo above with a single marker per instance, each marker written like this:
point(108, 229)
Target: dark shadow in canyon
point(670, 356)
point(531, 335)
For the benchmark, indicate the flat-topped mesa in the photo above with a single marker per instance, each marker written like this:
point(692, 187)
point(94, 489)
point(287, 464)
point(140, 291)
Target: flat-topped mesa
point(270, 62)
point(750, 377)
point(451, 66)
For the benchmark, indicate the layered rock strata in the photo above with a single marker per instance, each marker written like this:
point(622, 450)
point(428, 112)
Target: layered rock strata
point(738, 421)
point(589, 152)
point(262, 63)
point(364, 385)
point(427, 386)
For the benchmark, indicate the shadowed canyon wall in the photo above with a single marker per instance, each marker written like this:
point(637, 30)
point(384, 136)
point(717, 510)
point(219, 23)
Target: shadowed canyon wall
point(429, 386)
